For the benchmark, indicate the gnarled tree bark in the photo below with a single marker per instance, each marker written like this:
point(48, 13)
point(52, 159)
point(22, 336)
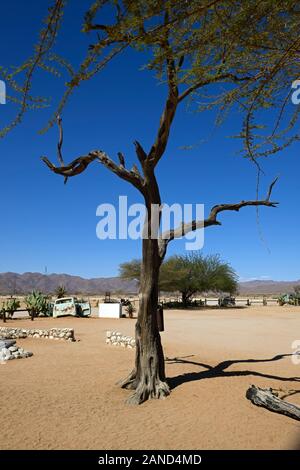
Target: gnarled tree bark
point(148, 377)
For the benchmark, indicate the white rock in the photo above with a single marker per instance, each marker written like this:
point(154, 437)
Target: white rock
point(6, 352)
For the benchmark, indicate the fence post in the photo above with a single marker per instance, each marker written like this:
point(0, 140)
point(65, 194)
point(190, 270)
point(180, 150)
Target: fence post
point(160, 318)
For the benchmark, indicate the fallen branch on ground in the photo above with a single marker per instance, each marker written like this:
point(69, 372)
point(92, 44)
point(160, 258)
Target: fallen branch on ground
point(269, 400)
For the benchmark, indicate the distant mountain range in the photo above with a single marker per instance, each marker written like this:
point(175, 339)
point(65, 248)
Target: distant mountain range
point(267, 287)
point(13, 283)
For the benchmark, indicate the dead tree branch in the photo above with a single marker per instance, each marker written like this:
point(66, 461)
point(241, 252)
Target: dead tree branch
point(217, 78)
point(269, 400)
point(160, 144)
point(78, 165)
point(212, 218)
point(60, 141)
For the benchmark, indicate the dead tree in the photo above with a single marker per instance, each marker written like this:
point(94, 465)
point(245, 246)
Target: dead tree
point(194, 44)
point(148, 379)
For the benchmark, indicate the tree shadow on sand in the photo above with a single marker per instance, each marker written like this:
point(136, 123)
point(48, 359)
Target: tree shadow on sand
point(220, 370)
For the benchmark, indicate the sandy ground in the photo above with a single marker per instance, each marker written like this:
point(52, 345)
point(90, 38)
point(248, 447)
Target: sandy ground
point(65, 396)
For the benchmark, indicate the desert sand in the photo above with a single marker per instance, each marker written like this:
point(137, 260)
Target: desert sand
point(65, 396)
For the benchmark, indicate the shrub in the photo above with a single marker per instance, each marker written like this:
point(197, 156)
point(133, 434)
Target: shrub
point(36, 303)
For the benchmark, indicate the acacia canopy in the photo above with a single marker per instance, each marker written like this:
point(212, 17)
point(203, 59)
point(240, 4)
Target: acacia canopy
point(189, 274)
point(252, 46)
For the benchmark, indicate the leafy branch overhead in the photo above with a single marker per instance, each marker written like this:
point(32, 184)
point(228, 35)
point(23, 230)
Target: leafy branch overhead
point(251, 48)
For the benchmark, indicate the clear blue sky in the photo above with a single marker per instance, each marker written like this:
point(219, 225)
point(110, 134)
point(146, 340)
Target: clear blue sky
point(47, 223)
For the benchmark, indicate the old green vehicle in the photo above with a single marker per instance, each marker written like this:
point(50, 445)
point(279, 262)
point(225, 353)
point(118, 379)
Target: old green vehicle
point(70, 306)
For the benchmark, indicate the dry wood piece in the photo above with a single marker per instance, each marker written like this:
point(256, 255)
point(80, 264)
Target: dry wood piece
point(269, 399)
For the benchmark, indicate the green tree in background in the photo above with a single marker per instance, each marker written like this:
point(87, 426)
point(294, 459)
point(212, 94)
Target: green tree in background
point(189, 274)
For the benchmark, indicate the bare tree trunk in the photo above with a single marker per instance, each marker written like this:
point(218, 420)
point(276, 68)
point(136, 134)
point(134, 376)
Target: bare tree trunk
point(183, 299)
point(186, 298)
point(148, 377)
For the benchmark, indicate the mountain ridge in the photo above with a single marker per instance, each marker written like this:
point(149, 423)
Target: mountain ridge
point(15, 283)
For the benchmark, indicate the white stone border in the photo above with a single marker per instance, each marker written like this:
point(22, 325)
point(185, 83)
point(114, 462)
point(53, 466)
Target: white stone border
point(66, 334)
point(118, 339)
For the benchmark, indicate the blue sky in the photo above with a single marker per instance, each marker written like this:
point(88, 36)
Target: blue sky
point(47, 223)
